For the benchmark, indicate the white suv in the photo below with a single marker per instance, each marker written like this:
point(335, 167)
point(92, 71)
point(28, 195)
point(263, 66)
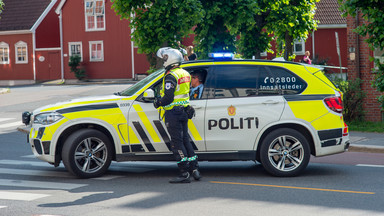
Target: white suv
point(277, 113)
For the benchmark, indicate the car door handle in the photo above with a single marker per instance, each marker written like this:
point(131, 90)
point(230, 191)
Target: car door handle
point(197, 107)
point(270, 102)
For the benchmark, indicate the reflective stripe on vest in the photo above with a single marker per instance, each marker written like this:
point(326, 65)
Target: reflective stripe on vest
point(181, 94)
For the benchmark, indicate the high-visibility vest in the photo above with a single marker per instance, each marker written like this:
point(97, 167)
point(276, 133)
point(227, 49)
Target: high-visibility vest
point(181, 95)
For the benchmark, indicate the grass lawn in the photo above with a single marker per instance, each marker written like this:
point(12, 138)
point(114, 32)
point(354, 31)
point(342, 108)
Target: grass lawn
point(364, 126)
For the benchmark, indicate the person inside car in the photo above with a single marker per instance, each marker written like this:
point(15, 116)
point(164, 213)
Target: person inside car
point(197, 85)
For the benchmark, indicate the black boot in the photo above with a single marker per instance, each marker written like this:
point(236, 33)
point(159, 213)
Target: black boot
point(196, 174)
point(182, 178)
point(194, 170)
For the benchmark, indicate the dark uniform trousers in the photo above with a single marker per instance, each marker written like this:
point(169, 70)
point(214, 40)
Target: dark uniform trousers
point(176, 121)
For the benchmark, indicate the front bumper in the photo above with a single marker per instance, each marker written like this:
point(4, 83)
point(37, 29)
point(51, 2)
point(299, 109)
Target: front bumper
point(41, 149)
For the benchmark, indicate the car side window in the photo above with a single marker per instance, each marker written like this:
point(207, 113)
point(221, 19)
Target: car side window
point(198, 76)
point(277, 80)
point(234, 81)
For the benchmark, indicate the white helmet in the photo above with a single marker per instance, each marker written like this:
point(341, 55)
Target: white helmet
point(170, 56)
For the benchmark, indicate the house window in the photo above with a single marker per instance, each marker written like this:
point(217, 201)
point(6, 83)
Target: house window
point(4, 53)
point(76, 48)
point(378, 54)
point(263, 54)
point(299, 47)
point(96, 51)
point(21, 52)
point(94, 15)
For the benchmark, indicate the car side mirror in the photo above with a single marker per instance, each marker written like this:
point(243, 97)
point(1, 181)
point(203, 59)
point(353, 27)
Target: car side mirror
point(149, 95)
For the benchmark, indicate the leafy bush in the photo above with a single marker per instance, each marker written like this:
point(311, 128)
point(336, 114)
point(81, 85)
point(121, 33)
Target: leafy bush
point(352, 99)
point(378, 82)
point(151, 70)
point(74, 63)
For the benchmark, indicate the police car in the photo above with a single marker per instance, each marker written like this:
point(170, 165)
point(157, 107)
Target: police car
point(274, 112)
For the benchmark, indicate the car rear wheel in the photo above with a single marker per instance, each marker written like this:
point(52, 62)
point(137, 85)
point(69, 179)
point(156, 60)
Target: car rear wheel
point(87, 153)
point(284, 152)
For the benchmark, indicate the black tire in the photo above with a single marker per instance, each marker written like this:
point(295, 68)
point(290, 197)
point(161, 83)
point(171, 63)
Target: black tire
point(87, 153)
point(284, 152)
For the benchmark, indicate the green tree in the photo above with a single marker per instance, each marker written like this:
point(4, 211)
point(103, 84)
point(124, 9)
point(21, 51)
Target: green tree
point(253, 21)
point(373, 12)
point(212, 34)
point(292, 20)
point(249, 20)
point(221, 25)
point(159, 23)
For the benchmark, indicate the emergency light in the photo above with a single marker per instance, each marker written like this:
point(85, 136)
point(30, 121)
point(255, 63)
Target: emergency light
point(221, 55)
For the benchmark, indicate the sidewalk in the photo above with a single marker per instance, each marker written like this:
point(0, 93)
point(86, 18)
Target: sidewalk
point(366, 142)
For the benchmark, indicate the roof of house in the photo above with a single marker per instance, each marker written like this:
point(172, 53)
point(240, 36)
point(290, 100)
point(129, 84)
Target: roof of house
point(328, 13)
point(21, 14)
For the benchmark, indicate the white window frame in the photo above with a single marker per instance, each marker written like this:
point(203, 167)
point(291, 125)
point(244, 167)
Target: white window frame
point(377, 54)
point(90, 51)
point(264, 54)
point(4, 46)
point(21, 44)
point(302, 42)
point(74, 44)
point(92, 12)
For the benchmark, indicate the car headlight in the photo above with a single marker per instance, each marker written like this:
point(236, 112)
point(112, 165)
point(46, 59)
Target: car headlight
point(47, 118)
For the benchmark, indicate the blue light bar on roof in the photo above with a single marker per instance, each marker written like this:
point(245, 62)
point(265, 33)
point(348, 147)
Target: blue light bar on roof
point(221, 55)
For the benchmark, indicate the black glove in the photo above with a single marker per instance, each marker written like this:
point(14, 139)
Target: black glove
point(156, 103)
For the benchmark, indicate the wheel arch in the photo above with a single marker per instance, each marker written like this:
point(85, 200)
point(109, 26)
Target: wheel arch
point(69, 130)
point(298, 127)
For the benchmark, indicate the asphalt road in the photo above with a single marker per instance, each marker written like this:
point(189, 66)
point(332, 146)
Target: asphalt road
point(344, 184)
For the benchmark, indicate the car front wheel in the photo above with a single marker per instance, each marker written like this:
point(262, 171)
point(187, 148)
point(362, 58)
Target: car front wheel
point(284, 152)
point(87, 153)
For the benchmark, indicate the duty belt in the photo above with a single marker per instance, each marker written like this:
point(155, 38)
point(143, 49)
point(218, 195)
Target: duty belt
point(177, 103)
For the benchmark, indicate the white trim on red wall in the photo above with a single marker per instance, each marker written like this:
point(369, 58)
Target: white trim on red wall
point(23, 54)
point(99, 58)
point(330, 26)
point(94, 14)
point(74, 44)
point(48, 49)
point(3, 46)
point(15, 32)
point(59, 7)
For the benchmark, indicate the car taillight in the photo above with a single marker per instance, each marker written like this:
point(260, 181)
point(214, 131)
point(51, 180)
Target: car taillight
point(345, 130)
point(334, 103)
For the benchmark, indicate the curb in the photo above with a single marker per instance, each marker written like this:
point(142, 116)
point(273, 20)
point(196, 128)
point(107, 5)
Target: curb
point(366, 148)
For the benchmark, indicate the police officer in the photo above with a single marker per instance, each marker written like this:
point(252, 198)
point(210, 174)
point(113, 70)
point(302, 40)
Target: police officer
point(174, 99)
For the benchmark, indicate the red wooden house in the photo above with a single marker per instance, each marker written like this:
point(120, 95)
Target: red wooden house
point(38, 37)
point(91, 29)
point(29, 42)
point(322, 43)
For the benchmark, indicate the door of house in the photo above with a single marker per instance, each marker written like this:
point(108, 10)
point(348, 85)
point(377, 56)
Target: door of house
point(54, 65)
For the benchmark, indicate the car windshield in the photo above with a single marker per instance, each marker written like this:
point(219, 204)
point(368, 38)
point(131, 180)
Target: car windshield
point(133, 89)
